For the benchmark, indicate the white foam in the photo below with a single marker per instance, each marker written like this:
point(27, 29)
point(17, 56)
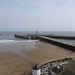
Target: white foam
point(10, 41)
point(32, 40)
point(5, 40)
point(15, 41)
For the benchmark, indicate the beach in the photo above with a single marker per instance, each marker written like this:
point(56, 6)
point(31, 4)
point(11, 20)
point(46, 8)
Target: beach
point(14, 62)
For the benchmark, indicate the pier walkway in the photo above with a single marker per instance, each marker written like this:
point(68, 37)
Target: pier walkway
point(57, 43)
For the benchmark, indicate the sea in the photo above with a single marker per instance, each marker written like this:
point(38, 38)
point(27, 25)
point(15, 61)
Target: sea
point(8, 36)
point(8, 43)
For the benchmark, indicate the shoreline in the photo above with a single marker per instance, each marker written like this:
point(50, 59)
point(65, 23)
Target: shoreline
point(48, 51)
point(17, 65)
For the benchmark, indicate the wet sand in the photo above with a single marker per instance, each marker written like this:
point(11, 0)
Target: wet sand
point(47, 52)
point(14, 64)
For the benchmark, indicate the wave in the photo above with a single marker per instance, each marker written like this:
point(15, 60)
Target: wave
point(16, 41)
point(5, 40)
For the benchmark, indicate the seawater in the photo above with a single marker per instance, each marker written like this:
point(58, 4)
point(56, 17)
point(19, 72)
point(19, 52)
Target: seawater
point(8, 43)
point(8, 36)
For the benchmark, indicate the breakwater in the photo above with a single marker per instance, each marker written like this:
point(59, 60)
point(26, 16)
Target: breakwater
point(58, 43)
point(49, 40)
point(62, 37)
point(33, 37)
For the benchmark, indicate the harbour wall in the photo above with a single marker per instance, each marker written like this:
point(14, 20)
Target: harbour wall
point(49, 40)
point(55, 60)
point(31, 36)
point(58, 43)
point(62, 37)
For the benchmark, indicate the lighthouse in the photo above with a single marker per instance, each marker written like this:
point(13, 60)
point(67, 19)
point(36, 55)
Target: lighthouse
point(36, 70)
point(36, 33)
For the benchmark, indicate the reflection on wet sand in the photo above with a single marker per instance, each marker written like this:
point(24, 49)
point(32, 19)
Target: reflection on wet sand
point(16, 58)
point(17, 47)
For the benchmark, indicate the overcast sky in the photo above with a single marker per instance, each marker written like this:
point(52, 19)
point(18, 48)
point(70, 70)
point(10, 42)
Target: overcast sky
point(31, 15)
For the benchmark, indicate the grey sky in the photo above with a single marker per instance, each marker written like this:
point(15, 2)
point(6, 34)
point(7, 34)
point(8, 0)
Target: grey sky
point(44, 15)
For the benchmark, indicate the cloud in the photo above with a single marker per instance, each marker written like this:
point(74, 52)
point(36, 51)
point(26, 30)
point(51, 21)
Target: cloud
point(37, 14)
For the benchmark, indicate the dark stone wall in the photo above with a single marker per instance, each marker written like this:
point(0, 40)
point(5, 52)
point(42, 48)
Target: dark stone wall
point(60, 44)
point(63, 37)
